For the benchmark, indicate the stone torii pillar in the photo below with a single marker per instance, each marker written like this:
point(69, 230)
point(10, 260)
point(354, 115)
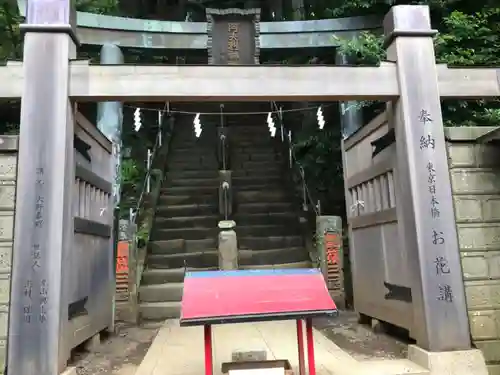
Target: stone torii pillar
point(110, 117)
point(351, 116)
point(43, 233)
point(426, 220)
point(110, 123)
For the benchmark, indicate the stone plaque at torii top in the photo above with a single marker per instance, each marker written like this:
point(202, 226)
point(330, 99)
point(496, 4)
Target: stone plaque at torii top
point(233, 36)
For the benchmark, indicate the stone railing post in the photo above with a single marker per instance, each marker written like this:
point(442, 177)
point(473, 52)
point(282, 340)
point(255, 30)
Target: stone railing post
point(225, 194)
point(425, 211)
point(223, 147)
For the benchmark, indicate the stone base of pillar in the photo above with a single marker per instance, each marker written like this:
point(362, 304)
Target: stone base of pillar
point(69, 371)
point(460, 362)
point(228, 246)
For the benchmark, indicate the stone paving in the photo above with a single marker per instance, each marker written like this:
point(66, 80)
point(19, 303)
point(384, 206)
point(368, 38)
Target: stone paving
point(179, 350)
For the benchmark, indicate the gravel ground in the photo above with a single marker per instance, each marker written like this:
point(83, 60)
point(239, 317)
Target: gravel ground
point(361, 341)
point(118, 354)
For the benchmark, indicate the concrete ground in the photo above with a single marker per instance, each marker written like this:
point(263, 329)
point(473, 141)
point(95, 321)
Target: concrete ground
point(123, 352)
point(179, 351)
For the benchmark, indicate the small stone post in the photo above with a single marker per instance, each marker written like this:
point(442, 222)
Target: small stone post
point(228, 246)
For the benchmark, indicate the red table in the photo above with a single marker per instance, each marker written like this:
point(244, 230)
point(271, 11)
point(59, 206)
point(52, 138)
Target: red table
point(221, 297)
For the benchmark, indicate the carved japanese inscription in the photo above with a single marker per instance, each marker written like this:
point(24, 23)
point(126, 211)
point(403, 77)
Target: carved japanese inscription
point(233, 36)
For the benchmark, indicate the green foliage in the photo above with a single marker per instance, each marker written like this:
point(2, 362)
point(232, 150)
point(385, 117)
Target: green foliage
point(318, 153)
point(10, 37)
point(366, 49)
point(130, 172)
point(470, 39)
point(469, 35)
point(108, 7)
point(132, 177)
point(465, 39)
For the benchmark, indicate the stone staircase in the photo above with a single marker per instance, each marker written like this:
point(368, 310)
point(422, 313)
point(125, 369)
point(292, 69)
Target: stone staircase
point(185, 226)
point(267, 223)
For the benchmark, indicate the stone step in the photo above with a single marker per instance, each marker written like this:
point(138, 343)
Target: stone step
point(196, 260)
point(159, 310)
point(192, 174)
point(187, 210)
point(253, 165)
point(168, 275)
point(257, 180)
point(167, 247)
point(272, 184)
point(251, 146)
point(278, 218)
point(267, 155)
point(252, 173)
point(191, 190)
point(197, 182)
point(266, 230)
point(264, 207)
point(190, 166)
point(241, 127)
point(206, 198)
point(206, 221)
point(192, 158)
point(303, 264)
point(272, 256)
point(260, 137)
point(195, 150)
point(184, 233)
point(266, 243)
point(187, 133)
point(179, 149)
point(189, 140)
point(206, 145)
point(169, 292)
point(257, 139)
point(254, 196)
point(205, 142)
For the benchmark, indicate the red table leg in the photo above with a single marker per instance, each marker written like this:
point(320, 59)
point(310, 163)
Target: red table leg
point(300, 345)
point(310, 347)
point(207, 329)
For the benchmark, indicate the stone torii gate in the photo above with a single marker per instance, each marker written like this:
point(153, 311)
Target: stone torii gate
point(50, 81)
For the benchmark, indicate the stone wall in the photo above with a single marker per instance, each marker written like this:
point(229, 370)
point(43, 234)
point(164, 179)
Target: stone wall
point(475, 176)
point(8, 171)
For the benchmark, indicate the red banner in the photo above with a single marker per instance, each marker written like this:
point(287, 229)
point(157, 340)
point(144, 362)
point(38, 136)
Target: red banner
point(122, 257)
point(332, 247)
